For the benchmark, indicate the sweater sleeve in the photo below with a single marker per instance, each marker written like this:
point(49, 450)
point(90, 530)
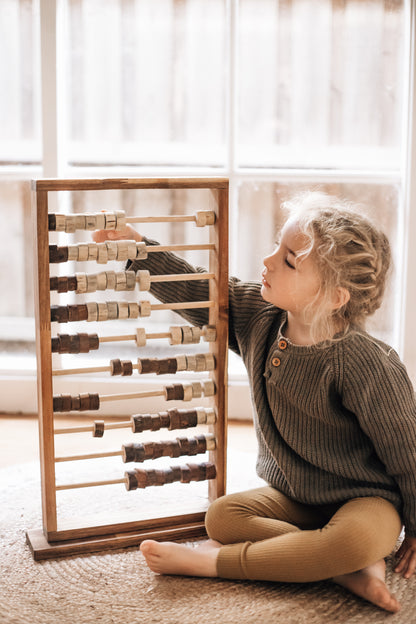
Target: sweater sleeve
point(244, 297)
point(378, 391)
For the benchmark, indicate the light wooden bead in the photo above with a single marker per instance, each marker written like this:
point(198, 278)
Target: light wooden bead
point(102, 253)
point(121, 220)
point(110, 221)
point(201, 219)
point(209, 388)
point(102, 312)
point(210, 217)
point(134, 310)
point(210, 442)
point(186, 334)
point(92, 309)
point(141, 337)
point(122, 251)
point(175, 335)
point(201, 415)
point(196, 389)
point(141, 251)
point(83, 252)
point(112, 307)
point(143, 279)
point(99, 221)
point(187, 392)
point(196, 334)
point(81, 282)
point(73, 252)
point(211, 417)
point(91, 222)
point(181, 362)
point(209, 361)
point(60, 220)
point(111, 250)
point(91, 283)
point(111, 280)
point(131, 250)
point(121, 280)
point(209, 333)
point(80, 221)
point(123, 310)
point(92, 251)
point(102, 281)
point(70, 224)
point(190, 362)
point(200, 362)
point(130, 280)
point(145, 308)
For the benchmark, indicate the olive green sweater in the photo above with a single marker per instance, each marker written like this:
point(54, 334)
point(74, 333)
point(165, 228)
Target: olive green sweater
point(333, 422)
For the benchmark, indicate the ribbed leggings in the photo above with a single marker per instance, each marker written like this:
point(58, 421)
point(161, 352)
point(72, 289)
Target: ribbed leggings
point(268, 537)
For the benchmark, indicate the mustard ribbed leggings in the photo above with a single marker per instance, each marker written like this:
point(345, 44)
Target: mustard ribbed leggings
point(268, 537)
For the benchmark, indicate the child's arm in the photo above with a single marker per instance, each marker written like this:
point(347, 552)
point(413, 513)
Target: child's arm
point(407, 557)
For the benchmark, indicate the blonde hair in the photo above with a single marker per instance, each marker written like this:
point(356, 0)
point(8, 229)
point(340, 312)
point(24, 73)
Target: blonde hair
point(350, 252)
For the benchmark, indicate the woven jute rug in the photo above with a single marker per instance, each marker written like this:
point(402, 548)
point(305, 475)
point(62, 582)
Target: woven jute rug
point(116, 587)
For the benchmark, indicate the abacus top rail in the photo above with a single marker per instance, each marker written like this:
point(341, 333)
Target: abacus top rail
point(104, 184)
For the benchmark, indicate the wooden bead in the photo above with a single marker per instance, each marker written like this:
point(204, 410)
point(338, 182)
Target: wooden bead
point(59, 314)
point(121, 220)
point(51, 222)
point(91, 222)
point(73, 253)
point(85, 342)
point(72, 282)
point(181, 362)
point(53, 283)
point(94, 402)
point(209, 333)
point(209, 388)
point(73, 344)
point(167, 366)
point(196, 335)
point(73, 313)
point(175, 335)
point(98, 431)
point(91, 283)
point(112, 307)
point(186, 475)
point(56, 345)
point(123, 310)
point(80, 221)
point(190, 362)
point(121, 281)
point(83, 252)
point(196, 389)
point(141, 251)
point(111, 280)
point(143, 279)
point(92, 308)
point(175, 392)
point(81, 282)
point(122, 251)
point(147, 365)
point(66, 402)
point(102, 281)
point(111, 250)
point(131, 250)
point(102, 253)
point(205, 217)
point(60, 222)
point(94, 341)
point(134, 309)
point(110, 221)
point(140, 422)
point(140, 336)
point(115, 366)
point(70, 224)
point(130, 280)
point(100, 221)
point(145, 308)
point(126, 368)
point(187, 392)
point(92, 251)
point(186, 334)
point(76, 403)
point(58, 254)
point(102, 312)
point(84, 402)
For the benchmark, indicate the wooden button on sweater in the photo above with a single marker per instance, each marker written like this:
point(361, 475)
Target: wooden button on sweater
point(282, 344)
point(276, 361)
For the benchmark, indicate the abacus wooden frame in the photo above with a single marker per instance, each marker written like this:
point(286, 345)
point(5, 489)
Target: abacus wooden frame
point(58, 538)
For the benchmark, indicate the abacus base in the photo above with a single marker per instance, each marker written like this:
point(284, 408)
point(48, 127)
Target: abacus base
point(42, 549)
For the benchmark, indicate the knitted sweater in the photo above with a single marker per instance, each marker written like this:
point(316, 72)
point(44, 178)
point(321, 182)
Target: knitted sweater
point(333, 422)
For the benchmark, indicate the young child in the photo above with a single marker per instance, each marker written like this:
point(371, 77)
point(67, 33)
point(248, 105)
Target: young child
point(334, 413)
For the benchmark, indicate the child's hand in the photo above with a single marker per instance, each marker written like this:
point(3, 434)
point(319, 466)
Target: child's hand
point(407, 557)
point(127, 233)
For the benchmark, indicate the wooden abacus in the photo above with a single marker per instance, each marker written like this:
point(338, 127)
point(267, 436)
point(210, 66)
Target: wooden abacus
point(61, 537)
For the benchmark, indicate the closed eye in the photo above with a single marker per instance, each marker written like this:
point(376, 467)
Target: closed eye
point(291, 266)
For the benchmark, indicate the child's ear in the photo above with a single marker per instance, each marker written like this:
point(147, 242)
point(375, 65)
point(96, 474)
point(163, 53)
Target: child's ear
point(341, 298)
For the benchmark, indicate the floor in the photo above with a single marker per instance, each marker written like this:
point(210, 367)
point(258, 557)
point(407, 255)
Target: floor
point(19, 441)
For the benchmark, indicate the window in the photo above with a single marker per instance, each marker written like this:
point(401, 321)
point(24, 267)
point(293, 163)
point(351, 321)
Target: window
point(278, 95)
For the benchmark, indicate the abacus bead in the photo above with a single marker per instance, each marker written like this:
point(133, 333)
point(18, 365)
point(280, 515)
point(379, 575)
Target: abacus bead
point(131, 250)
point(100, 221)
point(129, 453)
point(196, 389)
point(174, 419)
point(143, 278)
point(57, 403)
point(186, 334)
point(209, 388)
point(59, 314)
point(209, 333)
point(175, 335)
point(169, 475)
point(190, 362)
point(92, 251)
point(160, 477)
point(80, 221)
point(84, 343)
point(147, 365)
point(98, 430)
point(142, 478)
point(110, 221)
point(85, 402)
point(134, 309)
point(66, 402)
point(210, 470)
point(76, 403)
point(177, 472)
point(63, 284)
point(187, 392)
point(112, 308)
point(145, 308)
point(141, 251)
point(102, 312)
point(170, 393)
point(83, 252)
point(111, 280)
point(126, 368)
point(130, 280)
point(121, 280)
point(181, 362)
point(72, 282)
point(163, 420)
point(58, 254)
point(186, 475)
point(210, 361)
point(184, 446)
point(188, 418)
point(91, 283)
point(111, 250)
point(102, 281)
point(73, 313)
point(53, 283)
point(141, 337)
point(81, 282)
point(137, 423)
point(70, 224)
point(196, 335)
point(65, 343)
point(122, 251)
point(115, 367)
point(74, 344)
point(121, 220)
point(102, 253)
point(51, 222)
point(92, 308)
point(94, 402)
point(123, 310)
point(130, 480)
point(90, 222)
point(201, 220)
point(200, 362)
point(60, 222)
point(73, 253)
point(56, 345)
point(210, 217)
point(167, 366)
point(94, 341)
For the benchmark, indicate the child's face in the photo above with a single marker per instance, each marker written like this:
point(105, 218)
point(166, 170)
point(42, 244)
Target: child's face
point(290, 280)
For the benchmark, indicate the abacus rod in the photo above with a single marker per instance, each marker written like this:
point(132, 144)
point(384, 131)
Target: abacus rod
point(70, 486)
point(117, 338)
point(162, 219)
point(184, 305)
point(178, 247)
point(88, 456)
point(181, 277)
point(75, 371)
point(135, 395)
point(90, 428)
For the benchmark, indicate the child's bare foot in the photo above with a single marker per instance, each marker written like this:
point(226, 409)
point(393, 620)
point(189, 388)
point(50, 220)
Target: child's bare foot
point(369, 583)
point(172, 558)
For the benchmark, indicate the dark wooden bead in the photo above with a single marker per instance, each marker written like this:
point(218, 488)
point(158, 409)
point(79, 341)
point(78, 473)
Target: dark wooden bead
point(84, 343)
point(53, 283)
point(53, 254)
point(167, 366)
point(116, 368)
point(175, 392)
point(72, 282)
point(74, 344)
point(187, 418)
point(94, 341)
point(177, 473)
point(76, 403)
point(83, 312)
point(64, 343)
point(51, 222)
point(99, 426)
point(126, 368)
point(59, 314)
point(94, 401)
point(160, 477)
point(169, 475)
point(62, 284)
point(130, 480)
point(57, 404)
point(147, 365)
point(131, 452)
point(66, 402)
point(56, 345)
point(210, 470)
point(186, 476)
point(73, 313)
point(164, 419)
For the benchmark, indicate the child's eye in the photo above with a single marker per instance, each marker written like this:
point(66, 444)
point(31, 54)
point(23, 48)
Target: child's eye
point(291, 266)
